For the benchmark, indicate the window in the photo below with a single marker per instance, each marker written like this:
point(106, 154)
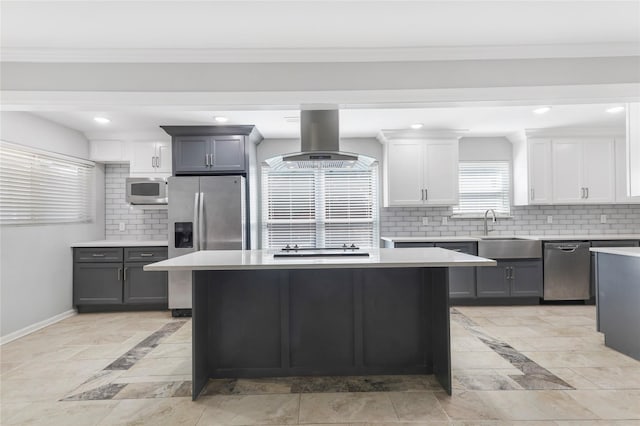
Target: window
point(39, 187)
point(484, 185)
point(319, 207)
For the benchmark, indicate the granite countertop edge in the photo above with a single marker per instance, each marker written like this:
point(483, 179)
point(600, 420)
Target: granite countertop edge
point(621, 251)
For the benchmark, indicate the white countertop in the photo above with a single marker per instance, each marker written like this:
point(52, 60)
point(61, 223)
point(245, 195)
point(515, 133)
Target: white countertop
point(263, 259)
point(454, 238)
point(122, 243)
point(622, 251)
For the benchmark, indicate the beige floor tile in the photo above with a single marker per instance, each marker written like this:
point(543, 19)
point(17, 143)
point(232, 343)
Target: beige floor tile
point(610, 404)
point(10, 409)
point(570, 320)
point(417, 406)
point(171, 350)
point(480, 359)
point(60, 369)
point(37, 390)
point(62, 413)
point(464, 344)
point(598, 422)
point(582, 359)
point(535, 405)
point(156, 378)
point(611, 377)
point(466, 406)
point(159, 367)
point(573, 378)
point(156, 412)
point(249, 409)
point(519, 320)
point(346, 407)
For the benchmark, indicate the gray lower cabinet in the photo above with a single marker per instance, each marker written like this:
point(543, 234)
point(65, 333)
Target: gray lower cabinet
point(114, 277)
point(462, 281)
point(511, 278)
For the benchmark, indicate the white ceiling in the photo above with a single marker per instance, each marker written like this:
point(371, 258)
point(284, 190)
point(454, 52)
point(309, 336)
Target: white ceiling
point(479, 121)
point(314, 24)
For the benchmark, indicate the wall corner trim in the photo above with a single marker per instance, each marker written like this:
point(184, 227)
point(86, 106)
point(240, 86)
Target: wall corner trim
point(37, 326)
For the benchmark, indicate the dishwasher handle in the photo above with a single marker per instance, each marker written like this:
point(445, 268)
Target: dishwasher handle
point(568, 249)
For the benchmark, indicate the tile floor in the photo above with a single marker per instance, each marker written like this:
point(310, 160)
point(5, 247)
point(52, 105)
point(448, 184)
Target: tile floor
point(538, 365)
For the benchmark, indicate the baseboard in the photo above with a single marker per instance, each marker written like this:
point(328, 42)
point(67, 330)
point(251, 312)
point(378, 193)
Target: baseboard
point(37, 326)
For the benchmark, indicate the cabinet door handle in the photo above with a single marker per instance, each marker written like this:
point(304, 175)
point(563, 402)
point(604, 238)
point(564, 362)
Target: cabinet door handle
point(206, 160)
point(119, 272)
point(513, 273)
point(422, 195)
point(124, 275)
point(210, 160)
point(587, 192)
point(532, 194)
point(426, 194)
point(158, 161)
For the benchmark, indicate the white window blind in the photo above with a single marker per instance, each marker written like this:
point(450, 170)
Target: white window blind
point(484, 185)
point(319, 207)
point(38, 187)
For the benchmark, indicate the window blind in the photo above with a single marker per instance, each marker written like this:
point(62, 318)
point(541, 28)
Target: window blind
point(319, 207)
point(484, 185)
point(38, 187)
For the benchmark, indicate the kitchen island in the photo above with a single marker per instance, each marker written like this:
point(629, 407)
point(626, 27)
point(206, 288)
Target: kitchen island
point(259, 316)
point(618, 298)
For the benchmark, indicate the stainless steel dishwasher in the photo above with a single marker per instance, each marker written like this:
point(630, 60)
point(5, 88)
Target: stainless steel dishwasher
point(567, 271)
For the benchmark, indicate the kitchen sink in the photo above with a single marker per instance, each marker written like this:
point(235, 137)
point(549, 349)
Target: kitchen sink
point(496, 247)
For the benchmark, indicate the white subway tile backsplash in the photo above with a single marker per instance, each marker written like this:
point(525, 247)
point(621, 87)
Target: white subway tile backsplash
point(139, 224)
point(567, 219)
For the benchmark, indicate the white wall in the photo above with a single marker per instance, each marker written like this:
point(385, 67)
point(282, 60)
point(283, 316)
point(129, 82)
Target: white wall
point(36, 261)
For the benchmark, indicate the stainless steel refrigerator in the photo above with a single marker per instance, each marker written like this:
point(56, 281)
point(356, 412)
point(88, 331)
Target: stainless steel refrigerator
point(205, 213)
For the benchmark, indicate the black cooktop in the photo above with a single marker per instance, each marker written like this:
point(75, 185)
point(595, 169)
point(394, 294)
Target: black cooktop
point(343, 251)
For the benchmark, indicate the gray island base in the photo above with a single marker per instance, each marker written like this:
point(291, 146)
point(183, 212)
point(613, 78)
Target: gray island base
point(385, 314)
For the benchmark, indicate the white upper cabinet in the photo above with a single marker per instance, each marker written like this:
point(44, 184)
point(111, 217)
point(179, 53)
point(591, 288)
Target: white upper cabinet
point(633, 150)
point(108, 151)
point(150, 159)
point(539, 168)
point(583, 170)
point(421, 172)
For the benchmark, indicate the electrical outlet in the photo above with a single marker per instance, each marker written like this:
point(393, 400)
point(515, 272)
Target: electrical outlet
point(549, 219)
point(603, 218)
point(121, 226)
point(425, 221)
point(445, 220)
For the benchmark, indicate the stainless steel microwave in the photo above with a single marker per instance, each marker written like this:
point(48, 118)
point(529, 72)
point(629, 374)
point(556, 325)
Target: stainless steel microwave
point(147, 190)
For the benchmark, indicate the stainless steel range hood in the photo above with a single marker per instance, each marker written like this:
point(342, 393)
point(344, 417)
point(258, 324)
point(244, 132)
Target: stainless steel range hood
point(320, 139)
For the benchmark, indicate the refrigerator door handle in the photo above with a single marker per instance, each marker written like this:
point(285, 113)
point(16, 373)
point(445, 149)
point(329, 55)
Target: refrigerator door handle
point(196, 231)
point(201, 223)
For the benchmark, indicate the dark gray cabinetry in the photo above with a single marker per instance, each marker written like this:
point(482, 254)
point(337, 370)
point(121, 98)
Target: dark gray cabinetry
point(113, 277)
point(202, 150)
point(462, 281)
point(141, 287)
point(511, 278)
point(206, 154)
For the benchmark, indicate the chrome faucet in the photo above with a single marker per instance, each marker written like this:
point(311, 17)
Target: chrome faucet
point(486, 228)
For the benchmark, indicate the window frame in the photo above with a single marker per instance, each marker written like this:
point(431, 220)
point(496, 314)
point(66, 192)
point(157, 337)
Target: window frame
point(457, 214)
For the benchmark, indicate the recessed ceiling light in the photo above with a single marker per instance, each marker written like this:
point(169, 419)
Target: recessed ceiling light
point(542, 110)
point(101, 120)
point(221, 119)
point(417, 126)
point(615, 109)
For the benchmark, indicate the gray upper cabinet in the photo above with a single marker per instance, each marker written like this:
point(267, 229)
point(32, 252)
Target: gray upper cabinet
point(210, 150)
point(191, 153)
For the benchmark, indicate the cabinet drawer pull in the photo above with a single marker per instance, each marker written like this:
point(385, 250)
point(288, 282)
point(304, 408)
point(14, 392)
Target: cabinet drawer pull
point(146, 254)
point(97, 254)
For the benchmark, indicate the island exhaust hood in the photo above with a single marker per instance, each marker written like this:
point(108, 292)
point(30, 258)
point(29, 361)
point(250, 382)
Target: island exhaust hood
point(320, 139)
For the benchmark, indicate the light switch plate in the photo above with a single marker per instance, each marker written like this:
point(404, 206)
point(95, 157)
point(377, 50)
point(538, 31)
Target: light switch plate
point(603, 218)
point(425, 221)
point(445, 220)
point(549, 219)
point(121, 226)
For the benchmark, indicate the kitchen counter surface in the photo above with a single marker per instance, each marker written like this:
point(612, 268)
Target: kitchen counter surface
point(455, 238)
point(122, 243)
point(263, 259)
point(622, 251)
